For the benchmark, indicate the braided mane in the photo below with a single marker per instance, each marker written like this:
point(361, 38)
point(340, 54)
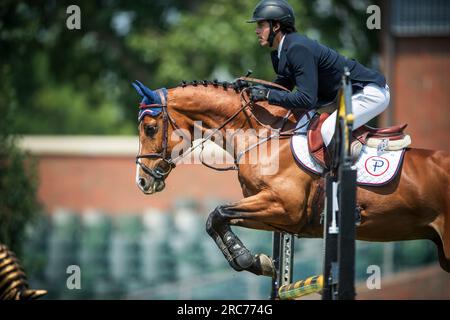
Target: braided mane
point(237, 85)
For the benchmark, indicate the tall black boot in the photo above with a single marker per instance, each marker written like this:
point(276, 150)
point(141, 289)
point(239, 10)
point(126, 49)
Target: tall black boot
point(332, 152)
point(331, 156)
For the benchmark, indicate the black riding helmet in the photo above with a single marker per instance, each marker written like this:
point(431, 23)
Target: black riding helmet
point(274, 10)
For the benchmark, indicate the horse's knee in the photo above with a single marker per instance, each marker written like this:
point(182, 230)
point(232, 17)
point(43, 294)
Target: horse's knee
point(216, 223)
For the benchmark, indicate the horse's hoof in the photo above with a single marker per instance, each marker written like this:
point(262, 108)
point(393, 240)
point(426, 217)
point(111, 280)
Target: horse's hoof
point(267, 266)
point(262, 266)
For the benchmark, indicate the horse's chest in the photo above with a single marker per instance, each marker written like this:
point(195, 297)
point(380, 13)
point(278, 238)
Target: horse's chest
point(250, 183)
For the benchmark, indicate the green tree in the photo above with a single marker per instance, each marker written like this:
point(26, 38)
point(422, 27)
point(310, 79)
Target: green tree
point(214, 40)
point(18, 185)
point(78, 81)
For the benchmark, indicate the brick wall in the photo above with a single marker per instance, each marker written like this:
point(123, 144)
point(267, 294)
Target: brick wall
point(425, 283)
point(421, 90)
point(108, 183)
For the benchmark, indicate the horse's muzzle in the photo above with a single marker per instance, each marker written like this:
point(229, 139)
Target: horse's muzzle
point(150, 185)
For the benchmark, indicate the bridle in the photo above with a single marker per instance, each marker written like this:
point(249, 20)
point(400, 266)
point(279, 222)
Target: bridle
point(159, 174)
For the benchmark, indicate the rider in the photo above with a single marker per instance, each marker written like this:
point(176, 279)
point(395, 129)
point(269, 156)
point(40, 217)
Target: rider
point(314, 69)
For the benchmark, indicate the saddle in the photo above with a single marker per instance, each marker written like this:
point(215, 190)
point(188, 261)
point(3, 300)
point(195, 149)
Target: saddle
point(383, 139)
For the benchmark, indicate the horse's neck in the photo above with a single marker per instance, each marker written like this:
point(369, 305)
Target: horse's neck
point(214, 106)
point(202, 109)
point(206, 108)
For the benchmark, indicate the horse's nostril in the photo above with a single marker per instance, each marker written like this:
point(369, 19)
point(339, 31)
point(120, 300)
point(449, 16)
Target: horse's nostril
point(142, 182)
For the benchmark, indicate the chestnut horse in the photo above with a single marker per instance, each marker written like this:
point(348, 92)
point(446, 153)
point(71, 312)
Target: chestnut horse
point(415, 205)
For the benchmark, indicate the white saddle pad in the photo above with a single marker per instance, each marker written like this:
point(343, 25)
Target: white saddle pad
point(375, 168)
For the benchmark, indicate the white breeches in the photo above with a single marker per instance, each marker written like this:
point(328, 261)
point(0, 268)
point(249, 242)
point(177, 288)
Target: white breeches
point(366, 104)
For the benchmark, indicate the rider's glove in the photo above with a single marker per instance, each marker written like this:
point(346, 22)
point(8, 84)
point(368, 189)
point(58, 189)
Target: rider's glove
point(259, 93)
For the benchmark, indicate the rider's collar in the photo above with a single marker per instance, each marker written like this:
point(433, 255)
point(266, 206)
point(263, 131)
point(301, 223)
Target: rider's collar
point(280, 46)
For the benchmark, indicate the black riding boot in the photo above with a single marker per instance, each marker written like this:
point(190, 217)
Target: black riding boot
point(330, 154)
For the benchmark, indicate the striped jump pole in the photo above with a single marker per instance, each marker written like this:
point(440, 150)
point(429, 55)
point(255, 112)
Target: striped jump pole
point(301, 288)
point(340, 206)
point(338, 279)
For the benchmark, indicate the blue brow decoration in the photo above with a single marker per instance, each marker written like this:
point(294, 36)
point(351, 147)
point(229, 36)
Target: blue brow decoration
point(149, 98)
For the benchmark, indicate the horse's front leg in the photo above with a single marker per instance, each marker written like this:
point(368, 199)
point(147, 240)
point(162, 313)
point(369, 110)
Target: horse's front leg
point(237, 255)
point(260, 211)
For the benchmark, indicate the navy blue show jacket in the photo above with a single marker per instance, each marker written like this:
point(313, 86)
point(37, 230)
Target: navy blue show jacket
point(316, 71)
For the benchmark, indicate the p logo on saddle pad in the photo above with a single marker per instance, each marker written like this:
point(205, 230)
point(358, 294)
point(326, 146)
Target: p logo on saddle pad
point(378, 161)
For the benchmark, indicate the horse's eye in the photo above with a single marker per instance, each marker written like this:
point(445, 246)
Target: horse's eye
point(150, 130)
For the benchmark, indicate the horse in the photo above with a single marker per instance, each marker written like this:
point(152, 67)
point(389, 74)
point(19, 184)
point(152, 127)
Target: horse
point(415, 205)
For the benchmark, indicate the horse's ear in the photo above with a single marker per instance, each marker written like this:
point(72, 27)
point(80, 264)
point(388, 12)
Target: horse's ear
point(138, 90)
point(144, 91)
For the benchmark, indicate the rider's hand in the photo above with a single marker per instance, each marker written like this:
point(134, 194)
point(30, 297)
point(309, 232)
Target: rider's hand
point(259, 93)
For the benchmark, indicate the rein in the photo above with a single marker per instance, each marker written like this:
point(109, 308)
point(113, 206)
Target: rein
point(159, 173)
point(210, 136)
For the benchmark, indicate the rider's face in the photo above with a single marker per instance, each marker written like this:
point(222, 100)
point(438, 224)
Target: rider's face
point(262, 31)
